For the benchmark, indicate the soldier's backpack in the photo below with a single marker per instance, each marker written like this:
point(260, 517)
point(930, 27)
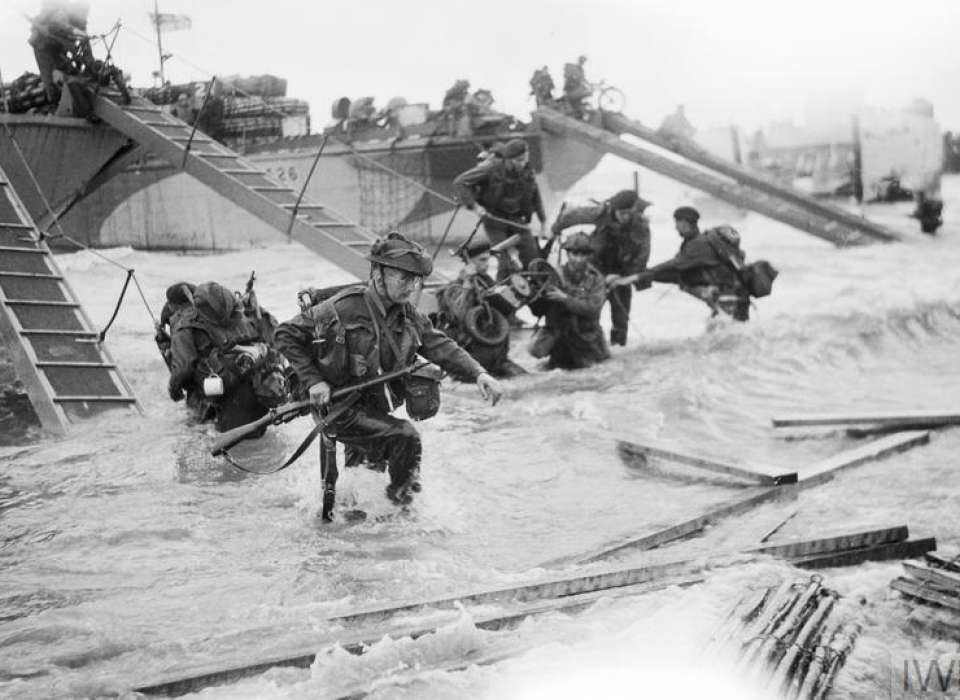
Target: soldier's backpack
point(757, 277)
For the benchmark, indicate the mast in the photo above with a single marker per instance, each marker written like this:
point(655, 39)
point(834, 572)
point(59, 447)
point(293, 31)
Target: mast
point(156, 24)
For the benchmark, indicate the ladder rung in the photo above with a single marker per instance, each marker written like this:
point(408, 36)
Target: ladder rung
point(357, 244)
point(187, 139)
point(271, 189)
point(332, 224)
point(112, 399)
point(30, 275)
point(155, 123)
point(138, 108)
point(14, 249)
point(34, 302)
point(17, 225)
point(103, 365)
point(218, 155)
point(304, 206)
point(54, 331)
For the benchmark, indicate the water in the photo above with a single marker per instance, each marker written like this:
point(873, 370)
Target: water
point(128, 553)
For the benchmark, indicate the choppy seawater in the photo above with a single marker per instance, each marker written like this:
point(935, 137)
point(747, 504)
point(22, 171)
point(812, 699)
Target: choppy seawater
point(127, 553)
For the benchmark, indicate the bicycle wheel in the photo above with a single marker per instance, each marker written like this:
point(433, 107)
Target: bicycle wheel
point(612, 100)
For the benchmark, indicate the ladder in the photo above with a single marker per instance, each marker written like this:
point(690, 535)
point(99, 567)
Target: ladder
point(67, 373)
point(768, 203)
point(619, 124)
point(315, 226)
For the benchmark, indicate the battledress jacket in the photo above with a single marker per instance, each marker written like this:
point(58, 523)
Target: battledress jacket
point(619, 249)
point(510, 194)
point(194, 338)
point(698, 263)
point(339, 342)
point(576, 319)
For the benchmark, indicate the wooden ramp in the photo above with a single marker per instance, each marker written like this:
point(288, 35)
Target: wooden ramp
point(770, 201)
point(68, 374)
point(619, 124)
point(315, 226)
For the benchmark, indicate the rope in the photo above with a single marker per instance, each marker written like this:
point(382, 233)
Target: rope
point(116, 309)
point(303, 190)
point(43, 236)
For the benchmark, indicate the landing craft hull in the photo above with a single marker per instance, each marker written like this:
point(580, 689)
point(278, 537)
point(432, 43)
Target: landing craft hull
point(150, 205)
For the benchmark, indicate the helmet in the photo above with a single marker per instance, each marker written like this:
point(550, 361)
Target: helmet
point(578, 242)
point(687, 214)
point(624, 199)
point(397, 252)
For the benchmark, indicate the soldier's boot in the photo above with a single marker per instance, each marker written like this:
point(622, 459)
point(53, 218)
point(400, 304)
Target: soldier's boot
point(618, 336)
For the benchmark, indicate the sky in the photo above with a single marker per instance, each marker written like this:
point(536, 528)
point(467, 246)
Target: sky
point(744, 62)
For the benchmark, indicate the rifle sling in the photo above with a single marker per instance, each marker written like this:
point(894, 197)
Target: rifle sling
point(334, 413)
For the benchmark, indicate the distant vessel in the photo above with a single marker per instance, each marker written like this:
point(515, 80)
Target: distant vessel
point(392, 169)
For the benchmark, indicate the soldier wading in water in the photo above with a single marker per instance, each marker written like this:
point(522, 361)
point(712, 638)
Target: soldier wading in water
point(368, 330)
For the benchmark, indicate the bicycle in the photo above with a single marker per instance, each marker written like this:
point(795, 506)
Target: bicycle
point(608, 98)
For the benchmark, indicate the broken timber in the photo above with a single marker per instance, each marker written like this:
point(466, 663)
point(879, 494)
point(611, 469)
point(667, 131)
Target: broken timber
point(912, 419)
point(190, 680)
point(826, 469)
point(752, 474)
point(816, 473)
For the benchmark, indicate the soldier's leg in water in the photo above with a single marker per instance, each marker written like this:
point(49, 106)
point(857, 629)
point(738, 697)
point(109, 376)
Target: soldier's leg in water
point(620, 299)
point(527, 248)
point(328, 467)
point(397, 440)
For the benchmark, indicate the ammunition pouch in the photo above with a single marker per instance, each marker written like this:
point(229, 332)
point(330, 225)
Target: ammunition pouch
point(422, 392)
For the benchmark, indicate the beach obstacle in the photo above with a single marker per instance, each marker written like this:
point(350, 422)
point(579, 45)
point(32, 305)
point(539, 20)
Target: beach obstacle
point(786, 640)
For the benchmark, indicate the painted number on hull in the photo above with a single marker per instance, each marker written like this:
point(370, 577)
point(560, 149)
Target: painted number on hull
point(284, 174)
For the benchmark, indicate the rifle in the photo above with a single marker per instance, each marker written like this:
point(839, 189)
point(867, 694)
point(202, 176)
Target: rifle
point(294, 409)
point(250, 296)
point(545, 252)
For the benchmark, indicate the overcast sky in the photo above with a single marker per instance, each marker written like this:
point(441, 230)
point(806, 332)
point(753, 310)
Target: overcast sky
point(741, 61)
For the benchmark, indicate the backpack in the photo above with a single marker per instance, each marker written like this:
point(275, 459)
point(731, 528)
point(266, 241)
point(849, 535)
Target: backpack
point(758, 277)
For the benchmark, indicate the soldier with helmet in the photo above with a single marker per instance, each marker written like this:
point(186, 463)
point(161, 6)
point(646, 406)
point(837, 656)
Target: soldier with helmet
point(503, 191)
point(572, 337)
point(367, 330)
point(621, 243)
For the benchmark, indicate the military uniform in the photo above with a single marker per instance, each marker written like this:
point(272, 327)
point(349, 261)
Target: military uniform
point(572, 335)
point(700, 268)
point(620, 248)
point(341, 341)
point(507, 193)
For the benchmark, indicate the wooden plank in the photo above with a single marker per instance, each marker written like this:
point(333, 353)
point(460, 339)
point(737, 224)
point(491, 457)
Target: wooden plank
point(826, 469)
point(925, 593)
point(688, 527)
point(825, 545)
point(883, 552)
point(942, 562)
point(938, 578)
point(555, 587)
point(190, 680)
point(914, 419)
point(753, 474)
